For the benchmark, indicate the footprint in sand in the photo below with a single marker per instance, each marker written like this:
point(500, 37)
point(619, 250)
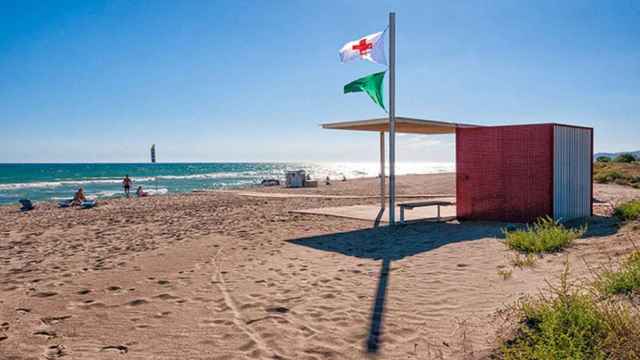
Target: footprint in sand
point(166, 297)
point(114, 288)
point(88, 304)
point(137, 302)
point(121, 349)
point(49, 334)
point(224, 322)
point(277, 309)
point(83, 292)
point(44, 294)
point(54, 352)
point(162, 314)
point(50, 320)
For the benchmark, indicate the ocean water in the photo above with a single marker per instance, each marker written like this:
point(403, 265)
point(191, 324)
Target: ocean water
point(59, 181)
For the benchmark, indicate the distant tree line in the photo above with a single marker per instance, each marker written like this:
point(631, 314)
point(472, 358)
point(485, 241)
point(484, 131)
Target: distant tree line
point(622, 158)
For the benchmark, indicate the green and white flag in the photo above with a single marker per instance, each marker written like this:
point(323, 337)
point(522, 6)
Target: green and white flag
point(371, 84)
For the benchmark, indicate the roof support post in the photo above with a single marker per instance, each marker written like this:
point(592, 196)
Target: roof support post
point(392, 118)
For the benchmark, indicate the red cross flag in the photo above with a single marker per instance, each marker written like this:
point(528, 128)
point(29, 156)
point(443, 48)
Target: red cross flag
point(370, 47)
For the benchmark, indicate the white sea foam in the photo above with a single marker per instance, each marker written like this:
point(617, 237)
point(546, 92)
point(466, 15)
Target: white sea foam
point(217, 175)
point(55, 184)
point(159, 191)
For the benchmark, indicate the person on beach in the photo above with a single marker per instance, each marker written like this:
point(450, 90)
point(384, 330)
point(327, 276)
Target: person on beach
point(126, 184)
point(327, 181)
point(140, 192)
point(78, 197)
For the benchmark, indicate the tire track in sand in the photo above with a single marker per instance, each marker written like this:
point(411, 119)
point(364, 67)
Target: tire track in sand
point(238, 319)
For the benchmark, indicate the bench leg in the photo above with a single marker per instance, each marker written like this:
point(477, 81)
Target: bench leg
point(438, 212)
point(401, 215)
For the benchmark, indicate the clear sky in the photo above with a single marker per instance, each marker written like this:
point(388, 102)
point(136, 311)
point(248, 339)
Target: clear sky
point(86, 81)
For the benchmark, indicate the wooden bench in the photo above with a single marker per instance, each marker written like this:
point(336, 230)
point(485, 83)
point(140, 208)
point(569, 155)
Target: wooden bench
point(412, 205)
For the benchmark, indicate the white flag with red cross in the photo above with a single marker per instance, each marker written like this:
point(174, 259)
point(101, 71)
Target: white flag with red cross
point(370, 47)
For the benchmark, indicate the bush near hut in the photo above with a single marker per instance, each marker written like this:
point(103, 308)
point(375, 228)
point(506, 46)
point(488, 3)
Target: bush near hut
point(603, 159)
point(628, 211)
point(572, 324)
point(546, 235)
point(625, 281)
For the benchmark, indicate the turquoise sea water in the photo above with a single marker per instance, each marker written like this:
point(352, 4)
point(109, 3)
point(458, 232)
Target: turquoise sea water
point(58, 181)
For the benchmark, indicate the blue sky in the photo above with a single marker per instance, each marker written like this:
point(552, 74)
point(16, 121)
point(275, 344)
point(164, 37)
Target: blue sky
point(85, 81)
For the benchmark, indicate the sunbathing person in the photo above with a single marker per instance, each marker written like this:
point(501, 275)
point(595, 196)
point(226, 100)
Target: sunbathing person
point(140, 192)
point(78, 197)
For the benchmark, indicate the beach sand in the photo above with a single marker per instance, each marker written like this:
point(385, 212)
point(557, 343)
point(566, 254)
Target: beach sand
point(219, 275)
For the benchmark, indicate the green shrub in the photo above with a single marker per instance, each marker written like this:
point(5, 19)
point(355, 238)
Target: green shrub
point(603, 159)
point(625, 158)
point(563, 328)
point(608, 176)
point(628, 211)
point(546, 235)
point(570, 324)
point(624, 281)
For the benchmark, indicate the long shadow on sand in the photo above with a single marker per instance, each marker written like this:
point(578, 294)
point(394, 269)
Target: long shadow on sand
point(394, 243)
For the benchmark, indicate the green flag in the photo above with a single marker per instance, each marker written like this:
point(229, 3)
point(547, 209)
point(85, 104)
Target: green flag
point(371, 84)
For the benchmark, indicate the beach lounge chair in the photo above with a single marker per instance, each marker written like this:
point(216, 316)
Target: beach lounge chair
point(26, 205)
point(64, 203)
point(88, 204)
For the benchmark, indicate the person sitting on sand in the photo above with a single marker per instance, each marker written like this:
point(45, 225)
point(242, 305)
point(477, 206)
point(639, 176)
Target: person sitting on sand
point(140, 192)
point(126, 184)
point(78, 197)
point(327, 181)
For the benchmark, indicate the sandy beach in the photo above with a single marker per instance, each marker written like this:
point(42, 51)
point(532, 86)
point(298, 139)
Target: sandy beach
point(224, 275)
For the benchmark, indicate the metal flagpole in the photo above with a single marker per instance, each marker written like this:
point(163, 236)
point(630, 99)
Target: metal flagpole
point(382, 172)
point(392, 118)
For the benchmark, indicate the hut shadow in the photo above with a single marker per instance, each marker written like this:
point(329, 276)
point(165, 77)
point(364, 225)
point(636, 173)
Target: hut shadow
point(393, 243)
point(595, 226)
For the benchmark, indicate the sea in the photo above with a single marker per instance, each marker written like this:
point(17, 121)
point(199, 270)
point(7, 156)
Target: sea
point(50, 182)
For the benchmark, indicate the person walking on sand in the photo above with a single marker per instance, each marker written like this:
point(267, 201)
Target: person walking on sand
point(126, 184)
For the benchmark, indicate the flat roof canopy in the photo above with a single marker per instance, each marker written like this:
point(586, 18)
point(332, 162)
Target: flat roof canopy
point(403, 125)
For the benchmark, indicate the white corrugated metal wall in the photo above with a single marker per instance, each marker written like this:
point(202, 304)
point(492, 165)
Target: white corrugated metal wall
point(571, 172)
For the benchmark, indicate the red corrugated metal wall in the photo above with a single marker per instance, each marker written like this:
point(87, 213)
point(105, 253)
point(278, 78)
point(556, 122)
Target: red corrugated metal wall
point(504, 173)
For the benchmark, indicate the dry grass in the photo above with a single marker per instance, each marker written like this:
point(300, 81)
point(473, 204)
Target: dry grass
point(505, 274)
point(572, 323)
point(523, 261)
point(617, 173)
